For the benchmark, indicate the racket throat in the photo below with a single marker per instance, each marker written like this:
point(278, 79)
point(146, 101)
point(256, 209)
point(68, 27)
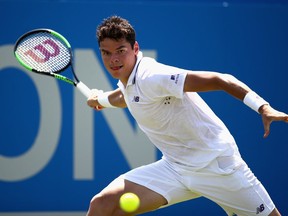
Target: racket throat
point(63, 78)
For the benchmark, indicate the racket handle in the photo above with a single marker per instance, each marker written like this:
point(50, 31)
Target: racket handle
point(83, 89)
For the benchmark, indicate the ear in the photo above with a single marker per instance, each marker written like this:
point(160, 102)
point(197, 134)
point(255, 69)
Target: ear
point(136, 47)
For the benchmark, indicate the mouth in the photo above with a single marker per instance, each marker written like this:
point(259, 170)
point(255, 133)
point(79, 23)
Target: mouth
point(115, 68)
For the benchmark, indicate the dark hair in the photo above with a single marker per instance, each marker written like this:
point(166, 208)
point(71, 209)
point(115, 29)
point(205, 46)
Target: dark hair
point(116, 28)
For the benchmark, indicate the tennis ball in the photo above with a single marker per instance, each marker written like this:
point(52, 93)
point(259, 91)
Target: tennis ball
point(129, 202)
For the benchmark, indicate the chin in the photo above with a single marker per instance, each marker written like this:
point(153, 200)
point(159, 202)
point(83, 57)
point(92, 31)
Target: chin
point(116, 75)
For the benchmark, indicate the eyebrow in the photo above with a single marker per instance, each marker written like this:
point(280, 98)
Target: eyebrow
point(120, 47)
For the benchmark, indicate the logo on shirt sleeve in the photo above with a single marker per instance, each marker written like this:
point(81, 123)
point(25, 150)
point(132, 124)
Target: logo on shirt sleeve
point(175, 78)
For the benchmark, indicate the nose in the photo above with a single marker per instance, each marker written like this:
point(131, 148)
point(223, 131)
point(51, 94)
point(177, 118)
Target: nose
point(114, 58)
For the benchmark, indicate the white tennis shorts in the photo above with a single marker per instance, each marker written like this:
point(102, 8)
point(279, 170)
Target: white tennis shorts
point(236, 190)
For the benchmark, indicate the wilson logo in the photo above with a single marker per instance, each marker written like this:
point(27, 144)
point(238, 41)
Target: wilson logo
point(46, 53)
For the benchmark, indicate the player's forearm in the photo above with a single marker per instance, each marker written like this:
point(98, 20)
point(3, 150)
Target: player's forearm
point(211, 81)
point(241, 91)
point(116, 98)
point(233, 86)
point(111, 99)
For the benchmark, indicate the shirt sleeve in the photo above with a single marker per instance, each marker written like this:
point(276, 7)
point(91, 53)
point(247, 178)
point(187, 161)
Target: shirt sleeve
point(163, 80)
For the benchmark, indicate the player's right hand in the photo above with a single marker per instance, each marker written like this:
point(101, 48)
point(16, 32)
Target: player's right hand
point(92, 101)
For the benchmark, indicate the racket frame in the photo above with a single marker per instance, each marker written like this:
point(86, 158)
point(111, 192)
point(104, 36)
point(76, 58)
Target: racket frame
point(56, 74)
point(81, 86)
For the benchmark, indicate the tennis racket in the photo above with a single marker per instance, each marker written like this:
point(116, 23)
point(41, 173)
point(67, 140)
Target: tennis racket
point(47, 52)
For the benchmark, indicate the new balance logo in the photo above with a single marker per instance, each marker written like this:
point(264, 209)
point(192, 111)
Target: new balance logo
point(136, 99)
point(260, 209)
point(175, 78)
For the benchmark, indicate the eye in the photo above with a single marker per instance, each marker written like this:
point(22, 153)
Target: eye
point(105, 53)
point(122, 51)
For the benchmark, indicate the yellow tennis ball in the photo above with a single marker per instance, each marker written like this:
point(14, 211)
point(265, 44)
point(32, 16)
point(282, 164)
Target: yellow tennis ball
point(129, 202)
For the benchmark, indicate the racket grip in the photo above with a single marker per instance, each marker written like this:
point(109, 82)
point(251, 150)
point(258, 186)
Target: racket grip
point(83, 89)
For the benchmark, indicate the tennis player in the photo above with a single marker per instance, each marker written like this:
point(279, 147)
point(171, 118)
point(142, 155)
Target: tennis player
point(200, 156)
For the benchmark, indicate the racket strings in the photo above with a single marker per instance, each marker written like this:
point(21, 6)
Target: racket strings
point(44, 52)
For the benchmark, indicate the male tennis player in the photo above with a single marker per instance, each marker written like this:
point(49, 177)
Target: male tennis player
point(200, 156)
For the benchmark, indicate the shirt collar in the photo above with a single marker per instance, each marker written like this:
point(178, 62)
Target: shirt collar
point(132, 77)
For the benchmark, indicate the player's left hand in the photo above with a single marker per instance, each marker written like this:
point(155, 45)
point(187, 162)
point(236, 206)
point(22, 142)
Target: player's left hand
point(269, 115)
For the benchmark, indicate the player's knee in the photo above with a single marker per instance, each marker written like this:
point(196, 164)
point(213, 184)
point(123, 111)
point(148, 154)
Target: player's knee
point(101, 205)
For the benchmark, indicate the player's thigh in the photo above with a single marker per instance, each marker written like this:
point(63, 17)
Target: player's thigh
point(149, 199)
point(163, 179)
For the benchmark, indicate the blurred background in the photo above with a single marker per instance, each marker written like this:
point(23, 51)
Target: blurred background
point(56, 153)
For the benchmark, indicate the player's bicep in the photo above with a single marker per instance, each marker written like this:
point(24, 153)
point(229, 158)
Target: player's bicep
point(213, 81)
point(201, 81)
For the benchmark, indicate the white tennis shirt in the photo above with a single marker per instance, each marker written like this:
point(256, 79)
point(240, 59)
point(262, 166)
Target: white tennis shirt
point(180, 124)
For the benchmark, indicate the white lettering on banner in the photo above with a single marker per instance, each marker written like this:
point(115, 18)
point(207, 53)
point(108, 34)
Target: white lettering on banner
point(41, 151)
point(135, 146)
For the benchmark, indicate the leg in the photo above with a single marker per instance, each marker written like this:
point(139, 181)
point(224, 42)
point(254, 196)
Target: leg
point(107, 201)
point(156, 184)
point(239, 193)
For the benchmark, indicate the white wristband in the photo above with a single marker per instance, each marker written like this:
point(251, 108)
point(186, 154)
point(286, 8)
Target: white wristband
point(254, 101)
point(104, 100)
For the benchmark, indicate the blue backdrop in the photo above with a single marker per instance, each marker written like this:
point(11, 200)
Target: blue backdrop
point(56, 153)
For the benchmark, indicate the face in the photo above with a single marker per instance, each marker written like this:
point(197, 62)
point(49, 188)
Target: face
point(119, 58)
